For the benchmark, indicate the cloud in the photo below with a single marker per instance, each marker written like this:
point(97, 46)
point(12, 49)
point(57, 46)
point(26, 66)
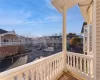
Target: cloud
point(21, 17)
point(48, 19)
point(26, 16)
point(13, 17)
point(53, 18)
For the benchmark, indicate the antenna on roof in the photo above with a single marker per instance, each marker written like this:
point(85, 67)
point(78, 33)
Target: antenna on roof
point(13, 30)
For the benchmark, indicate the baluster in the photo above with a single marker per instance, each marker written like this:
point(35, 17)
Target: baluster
point(50, 69)
point(63, 61)
point(43, 71)
point(47, 67)
point(68, 58)
point(74, 61)
point(54, 67)
point(32, 73)
point(85, 65)
point(71, 60)
point(57, 65)
point(77, 67)
point(37, 74)
point(40, 71)
point(81, 64)
point(42, 67)
point(60, 61)
point(89, 67)
point(23, 76)
point(27, 75)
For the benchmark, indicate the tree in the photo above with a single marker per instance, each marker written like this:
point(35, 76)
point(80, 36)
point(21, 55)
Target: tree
point(75, 41)
point(71, 35)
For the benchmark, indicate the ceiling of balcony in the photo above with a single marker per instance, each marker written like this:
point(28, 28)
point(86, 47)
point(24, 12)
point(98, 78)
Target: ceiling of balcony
point(69, 3)
point(83, 4)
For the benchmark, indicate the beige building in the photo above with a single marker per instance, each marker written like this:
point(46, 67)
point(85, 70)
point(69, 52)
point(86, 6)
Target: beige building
point(8, 43)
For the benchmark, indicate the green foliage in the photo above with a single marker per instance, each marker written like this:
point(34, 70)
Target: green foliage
point(71, 35)
point(75, 41)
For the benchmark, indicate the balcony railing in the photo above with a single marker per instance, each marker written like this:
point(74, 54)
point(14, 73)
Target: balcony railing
point(9, 43)
point(50, 67)
point(80, 64)
point(44, 69)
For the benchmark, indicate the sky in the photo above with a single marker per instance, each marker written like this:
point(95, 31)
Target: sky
point(37, 17)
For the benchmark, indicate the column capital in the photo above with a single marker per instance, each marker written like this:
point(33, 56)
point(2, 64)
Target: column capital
point(64, 7)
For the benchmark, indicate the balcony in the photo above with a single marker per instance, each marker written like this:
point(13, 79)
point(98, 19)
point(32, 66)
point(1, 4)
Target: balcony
point(79, 66)
point(52, 68)
point(9, 43)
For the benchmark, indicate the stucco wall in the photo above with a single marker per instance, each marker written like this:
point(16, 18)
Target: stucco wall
point(10, 38)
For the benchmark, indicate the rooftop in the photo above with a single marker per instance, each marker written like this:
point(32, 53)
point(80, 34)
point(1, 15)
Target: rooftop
point(3, 31)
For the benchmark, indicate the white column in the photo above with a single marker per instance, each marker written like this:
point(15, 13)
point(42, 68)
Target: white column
point(64, 45)
point(64, 30)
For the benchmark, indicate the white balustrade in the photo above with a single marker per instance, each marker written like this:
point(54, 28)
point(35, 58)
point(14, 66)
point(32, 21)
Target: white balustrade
point(43, 69)
point(9, 43)
point(81, 64)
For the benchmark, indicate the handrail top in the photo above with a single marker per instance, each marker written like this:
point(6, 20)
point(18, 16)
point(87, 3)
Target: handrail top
point(80, 55)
